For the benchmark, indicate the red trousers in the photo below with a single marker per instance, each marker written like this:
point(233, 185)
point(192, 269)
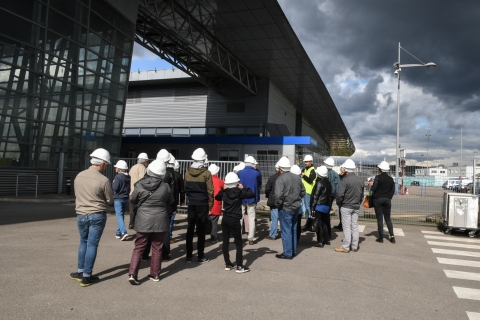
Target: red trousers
point(141, 241)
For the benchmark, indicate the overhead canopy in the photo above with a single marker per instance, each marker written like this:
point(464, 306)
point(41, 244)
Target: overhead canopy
point(242, 41)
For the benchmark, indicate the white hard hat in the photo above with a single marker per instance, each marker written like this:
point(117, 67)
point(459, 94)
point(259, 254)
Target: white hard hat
point(296, 170)
point(172, 159)
point(176, 166)
point(284, 164)
point(307, 158)
point(349, 165)
point(157, 167)
point(241, 166)
point(231, 179)
point(256, 162)
point(250, 159)
point(143, 156)
point(329, 162)
point(213, 168)
point(322, 171)
point(101, 154)
point(276, 166)
point(199, 155)
point(163, 155)
point(121, 165)
point(235, 169)
point(384, 166)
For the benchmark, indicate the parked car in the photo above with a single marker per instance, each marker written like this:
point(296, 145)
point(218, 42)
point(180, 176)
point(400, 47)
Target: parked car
point(415, 183)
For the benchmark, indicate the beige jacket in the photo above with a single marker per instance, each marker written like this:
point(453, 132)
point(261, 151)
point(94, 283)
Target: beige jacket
point(137, 172)
point(93, 192)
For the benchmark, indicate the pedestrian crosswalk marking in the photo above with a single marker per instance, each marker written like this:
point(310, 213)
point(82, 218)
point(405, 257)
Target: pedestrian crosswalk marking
point(467, 293)
point(457, 252)
point(457, 245)
point(432, 232)
point(473, 315)
point(396, 231)
point(453, 239)
point(459, 262)
point(462, 275)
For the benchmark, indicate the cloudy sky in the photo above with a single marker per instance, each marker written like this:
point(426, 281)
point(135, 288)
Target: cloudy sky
point(353, 45)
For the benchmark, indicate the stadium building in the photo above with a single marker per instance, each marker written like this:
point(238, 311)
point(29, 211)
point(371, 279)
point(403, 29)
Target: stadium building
point(242, 83)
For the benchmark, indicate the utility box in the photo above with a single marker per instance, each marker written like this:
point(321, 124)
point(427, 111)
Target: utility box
point(460, 210)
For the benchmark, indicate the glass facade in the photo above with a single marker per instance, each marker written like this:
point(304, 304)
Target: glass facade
point(64, 68)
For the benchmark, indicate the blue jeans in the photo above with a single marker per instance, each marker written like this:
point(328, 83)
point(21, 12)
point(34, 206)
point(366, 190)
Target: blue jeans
point(274, 225)
point(120, 208)
point(306, 206)
point(172, 222)
point(90, 228)
point(288, 223)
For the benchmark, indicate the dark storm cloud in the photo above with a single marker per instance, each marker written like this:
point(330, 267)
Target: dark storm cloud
point(356, 42)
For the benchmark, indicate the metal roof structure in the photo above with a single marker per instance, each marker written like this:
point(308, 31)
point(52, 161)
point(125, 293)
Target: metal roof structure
point(241, 41)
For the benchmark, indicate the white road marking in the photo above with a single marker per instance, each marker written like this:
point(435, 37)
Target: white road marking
point(462, 275)
point(361, 228)
point(432, 232)
point(459, 262)
point(396, 231)
point(457, 245)
point(452, 239)
point(457, 252)
point(467, 293)
point(473, 315)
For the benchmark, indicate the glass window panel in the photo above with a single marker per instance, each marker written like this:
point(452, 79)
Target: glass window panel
point(31, 10)
point(181, 132)
point(164, 131)
point(253, 131)
point(119, 111)
point(11, 56)
point(20, 29)
point(235, 131)
point(64, 48)
point(198, 131)
point(66, 27)
point(132, 131)
point(113, 17)
point(108, 32)
point(147, 131)
point(20, 79)
point(72, 9)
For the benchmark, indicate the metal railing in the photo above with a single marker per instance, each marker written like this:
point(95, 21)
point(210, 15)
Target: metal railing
point(420, 203)
point(27, 188)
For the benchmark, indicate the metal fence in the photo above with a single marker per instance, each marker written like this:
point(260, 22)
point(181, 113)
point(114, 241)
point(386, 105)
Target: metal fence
point(420, 203)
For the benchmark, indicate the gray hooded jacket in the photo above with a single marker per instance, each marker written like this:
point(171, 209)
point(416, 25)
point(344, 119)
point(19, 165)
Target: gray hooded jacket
point(152, 215)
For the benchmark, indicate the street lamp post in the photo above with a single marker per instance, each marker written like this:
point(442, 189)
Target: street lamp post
point(428, 142)
point(461, 148)
point(398, 69)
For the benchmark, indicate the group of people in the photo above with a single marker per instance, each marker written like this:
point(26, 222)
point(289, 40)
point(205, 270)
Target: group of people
point(153, 191)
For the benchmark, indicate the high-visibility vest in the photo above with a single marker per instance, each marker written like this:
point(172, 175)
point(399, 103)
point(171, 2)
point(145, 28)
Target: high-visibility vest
point(309, 186)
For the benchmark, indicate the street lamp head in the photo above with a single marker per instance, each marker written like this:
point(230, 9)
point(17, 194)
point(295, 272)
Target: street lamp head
point(430, 65)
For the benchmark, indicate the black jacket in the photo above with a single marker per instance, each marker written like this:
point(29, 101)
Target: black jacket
point(270, 190)
point(232, 200)
point(383, 186)
point(321, 193)
point(179, 190)
point(176, 186)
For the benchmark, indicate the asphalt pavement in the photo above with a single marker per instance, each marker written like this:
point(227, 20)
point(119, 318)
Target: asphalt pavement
point(381, 281)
